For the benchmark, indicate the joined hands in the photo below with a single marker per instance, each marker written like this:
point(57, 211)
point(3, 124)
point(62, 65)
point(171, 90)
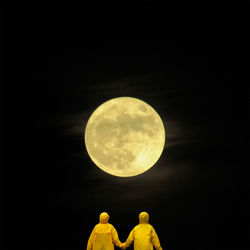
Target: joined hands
point(123, 246)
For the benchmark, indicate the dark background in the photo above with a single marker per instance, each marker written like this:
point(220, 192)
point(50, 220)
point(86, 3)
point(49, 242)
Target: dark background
point(61, 61)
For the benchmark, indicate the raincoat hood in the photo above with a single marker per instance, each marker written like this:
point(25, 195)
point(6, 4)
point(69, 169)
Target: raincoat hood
point(143, 217)
point(104, 218)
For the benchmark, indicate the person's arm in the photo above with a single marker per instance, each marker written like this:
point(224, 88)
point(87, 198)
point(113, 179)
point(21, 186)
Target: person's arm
point(155, 240)
point(130, 239)
point(91, 239)
point(115, 238)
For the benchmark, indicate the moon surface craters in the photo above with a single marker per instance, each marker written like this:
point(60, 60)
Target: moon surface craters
point(124, 136)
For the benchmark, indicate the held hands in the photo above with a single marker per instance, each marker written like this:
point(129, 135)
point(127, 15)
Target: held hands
point(123, 246)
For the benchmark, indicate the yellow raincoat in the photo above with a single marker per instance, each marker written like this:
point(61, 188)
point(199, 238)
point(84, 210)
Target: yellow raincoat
point(103, 236)
point(143, 235)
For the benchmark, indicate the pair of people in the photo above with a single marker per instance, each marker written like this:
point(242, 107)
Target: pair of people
point(104, 235)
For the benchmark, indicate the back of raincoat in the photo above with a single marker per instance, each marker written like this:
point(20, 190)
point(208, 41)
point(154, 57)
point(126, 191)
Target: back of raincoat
point(143, 235)
point(103, 236)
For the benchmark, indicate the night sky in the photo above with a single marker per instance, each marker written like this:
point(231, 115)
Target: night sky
point(61, 61)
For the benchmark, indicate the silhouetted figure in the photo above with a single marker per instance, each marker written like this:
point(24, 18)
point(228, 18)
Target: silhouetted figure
point(143, 235)
point(104, 235)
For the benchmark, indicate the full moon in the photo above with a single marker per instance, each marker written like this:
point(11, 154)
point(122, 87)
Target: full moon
point(124, 136)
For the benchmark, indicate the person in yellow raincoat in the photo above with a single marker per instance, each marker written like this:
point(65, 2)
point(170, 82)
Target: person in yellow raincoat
point(143, 235)
point(104, 235)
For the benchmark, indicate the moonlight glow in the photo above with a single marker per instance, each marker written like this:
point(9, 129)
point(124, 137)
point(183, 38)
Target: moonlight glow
point(124, 136)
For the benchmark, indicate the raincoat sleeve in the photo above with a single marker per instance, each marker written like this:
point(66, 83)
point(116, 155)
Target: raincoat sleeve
point(91, 240)
point(115, 237)
point(130, 239)
point(155, 240)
